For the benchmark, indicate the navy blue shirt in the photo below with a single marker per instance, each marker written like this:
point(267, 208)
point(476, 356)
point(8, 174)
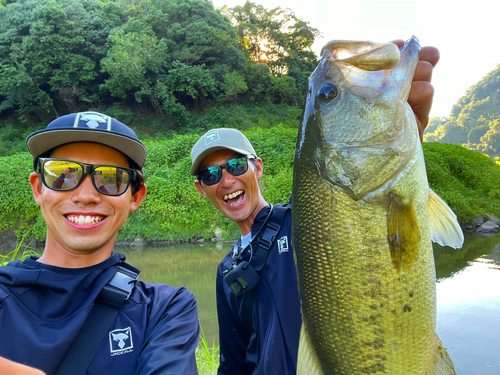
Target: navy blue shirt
point(266, 342)
point(43, 307)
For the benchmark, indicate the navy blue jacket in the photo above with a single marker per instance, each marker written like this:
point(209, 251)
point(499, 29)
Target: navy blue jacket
point(42, 308)
point(267, 342)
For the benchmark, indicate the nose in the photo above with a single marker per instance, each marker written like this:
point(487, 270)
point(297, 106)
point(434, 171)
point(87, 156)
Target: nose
point(86, 192)
point(227, 180)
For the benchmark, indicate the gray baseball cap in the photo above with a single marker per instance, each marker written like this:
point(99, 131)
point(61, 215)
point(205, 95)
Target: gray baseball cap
point(87, 127)
point(219, 139)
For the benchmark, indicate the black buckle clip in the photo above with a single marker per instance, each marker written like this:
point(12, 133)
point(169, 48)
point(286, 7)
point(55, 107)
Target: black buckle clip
point(241, 278)
point(119, 288)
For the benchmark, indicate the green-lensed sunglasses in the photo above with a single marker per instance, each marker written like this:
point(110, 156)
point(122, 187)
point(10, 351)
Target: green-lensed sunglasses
point(66, 175)
point(236, 167)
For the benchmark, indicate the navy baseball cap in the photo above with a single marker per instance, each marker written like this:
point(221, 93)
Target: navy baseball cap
point(87, 127)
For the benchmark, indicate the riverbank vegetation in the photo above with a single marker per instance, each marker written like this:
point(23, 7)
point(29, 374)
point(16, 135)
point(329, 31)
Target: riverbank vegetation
point(174, 211)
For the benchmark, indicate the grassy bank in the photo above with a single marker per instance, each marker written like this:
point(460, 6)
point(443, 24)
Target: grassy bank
point(173, 209)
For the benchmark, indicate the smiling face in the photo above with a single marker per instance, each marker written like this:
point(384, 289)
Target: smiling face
point(82, 224)
point(236, 197)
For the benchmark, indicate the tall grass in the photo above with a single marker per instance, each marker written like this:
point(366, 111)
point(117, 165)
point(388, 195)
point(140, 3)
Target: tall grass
point(4, 259)
point(207, 357)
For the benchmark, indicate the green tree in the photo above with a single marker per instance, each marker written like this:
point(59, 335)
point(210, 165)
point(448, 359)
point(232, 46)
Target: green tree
point(190, 82)
point(277, 38)
point(282, 90)
point(133, 63)
point(52, 47)
point(234, 84)
point(491, 140)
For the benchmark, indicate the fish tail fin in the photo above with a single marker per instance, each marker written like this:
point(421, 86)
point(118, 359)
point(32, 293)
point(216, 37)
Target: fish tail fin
point(307, 363)
point(445, 229)
point(442, 364)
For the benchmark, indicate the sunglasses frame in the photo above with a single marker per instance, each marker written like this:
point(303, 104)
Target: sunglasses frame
point(87, 169)
point(224, 166)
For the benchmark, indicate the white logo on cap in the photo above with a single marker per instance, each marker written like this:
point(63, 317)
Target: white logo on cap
point(93, 119)
point(212, 137)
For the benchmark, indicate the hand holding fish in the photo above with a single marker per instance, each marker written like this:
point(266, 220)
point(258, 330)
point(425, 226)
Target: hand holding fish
point(422, 91)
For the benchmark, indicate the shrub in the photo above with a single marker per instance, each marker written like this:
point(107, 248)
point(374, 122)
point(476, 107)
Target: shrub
point(174, 210)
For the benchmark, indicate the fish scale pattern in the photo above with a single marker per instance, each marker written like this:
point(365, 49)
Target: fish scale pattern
point(362, 314)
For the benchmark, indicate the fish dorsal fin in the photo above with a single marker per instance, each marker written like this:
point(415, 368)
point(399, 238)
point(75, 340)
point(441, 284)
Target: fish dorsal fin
point(308, 363)
point(445, 229)
point(442, 363)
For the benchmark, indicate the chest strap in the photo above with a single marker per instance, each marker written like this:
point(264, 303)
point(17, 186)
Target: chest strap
point(95, 328)
point(242, 276)
point(265, 241)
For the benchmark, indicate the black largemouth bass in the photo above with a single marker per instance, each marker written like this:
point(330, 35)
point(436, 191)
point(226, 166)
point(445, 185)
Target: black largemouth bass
point(364, 218)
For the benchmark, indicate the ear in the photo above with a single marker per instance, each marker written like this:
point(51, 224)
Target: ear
point(136, 199)
point(259, 168)
point(200, 188)
point(36, 187)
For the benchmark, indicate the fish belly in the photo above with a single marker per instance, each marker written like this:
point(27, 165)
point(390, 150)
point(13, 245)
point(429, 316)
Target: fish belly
point(361, 313)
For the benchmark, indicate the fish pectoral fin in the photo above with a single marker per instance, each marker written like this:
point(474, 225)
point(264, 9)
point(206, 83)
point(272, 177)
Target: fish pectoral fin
point(307, 363)
point(445, 229)
point(403, 231)
point(442, 364)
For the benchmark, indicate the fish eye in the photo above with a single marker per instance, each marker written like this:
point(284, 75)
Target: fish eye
point(328, 92)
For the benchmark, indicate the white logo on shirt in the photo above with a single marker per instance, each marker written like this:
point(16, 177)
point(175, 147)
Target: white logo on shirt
point(283, 245)
point(120, 341)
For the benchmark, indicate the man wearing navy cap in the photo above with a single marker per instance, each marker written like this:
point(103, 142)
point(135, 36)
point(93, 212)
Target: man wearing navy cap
point(87, 178)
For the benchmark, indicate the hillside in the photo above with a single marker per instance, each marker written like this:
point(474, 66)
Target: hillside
point(474, 120)
point(162, 66)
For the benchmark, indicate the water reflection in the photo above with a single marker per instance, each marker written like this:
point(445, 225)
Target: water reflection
point(468, 305)
point(450, 261)
point(468, 293)
point(192, 266)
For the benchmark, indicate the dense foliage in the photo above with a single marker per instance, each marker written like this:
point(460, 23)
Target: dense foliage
point(474, 120)
point(169, 60)
point(174, 210)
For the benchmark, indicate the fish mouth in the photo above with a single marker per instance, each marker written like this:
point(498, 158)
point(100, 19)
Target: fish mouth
point(365, 55)
point(235, 198)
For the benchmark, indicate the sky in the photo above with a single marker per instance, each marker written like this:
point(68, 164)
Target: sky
point(466, 33)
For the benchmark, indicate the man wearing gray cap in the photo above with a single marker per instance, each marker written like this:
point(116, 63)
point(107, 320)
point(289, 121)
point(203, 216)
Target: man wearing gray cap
point(259, 316)
point(258, 303)
point(79, 308)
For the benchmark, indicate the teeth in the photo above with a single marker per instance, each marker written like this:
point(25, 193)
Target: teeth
point(85, 220)
point(233, 195)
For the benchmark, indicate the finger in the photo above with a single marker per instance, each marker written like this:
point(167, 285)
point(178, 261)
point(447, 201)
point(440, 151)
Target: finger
point(430, 54)
point(420, 100)
point(423, 72)
point(399, 42)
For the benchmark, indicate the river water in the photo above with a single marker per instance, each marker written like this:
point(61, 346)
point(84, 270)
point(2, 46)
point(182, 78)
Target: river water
point(468, 294)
